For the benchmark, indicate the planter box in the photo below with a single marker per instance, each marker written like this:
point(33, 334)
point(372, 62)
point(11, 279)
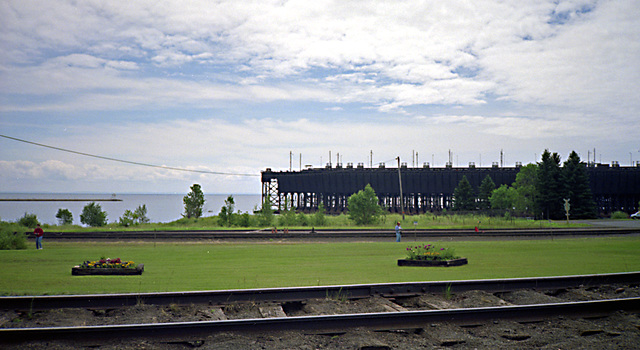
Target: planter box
point(77, 271)
point(454, 262)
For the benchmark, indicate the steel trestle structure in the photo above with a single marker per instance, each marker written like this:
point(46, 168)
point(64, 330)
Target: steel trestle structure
point(425, 189)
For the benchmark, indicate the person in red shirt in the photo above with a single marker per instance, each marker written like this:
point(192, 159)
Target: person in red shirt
point(39, 233)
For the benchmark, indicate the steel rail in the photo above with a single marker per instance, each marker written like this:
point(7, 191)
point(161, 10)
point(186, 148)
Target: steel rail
point(373, 321)
point(332, 234)
point(357, 291)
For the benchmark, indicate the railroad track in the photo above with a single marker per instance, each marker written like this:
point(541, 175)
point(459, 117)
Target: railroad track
point(398, 318)
point(334, 234)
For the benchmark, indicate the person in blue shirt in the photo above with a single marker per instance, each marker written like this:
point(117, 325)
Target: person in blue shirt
point(398, 232)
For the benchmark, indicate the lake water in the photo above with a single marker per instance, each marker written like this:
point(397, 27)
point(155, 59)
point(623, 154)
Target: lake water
point(160, 207)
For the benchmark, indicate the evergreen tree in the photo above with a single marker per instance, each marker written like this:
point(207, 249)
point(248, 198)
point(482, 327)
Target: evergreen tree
point(549, 188)
point(463, 197)
point(577, 188)
point(484, 192)
point(193, 202)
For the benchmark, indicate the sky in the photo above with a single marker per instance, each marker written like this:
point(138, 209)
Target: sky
point(231, 88)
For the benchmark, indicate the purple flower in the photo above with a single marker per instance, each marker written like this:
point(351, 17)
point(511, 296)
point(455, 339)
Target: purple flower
point(441, 248)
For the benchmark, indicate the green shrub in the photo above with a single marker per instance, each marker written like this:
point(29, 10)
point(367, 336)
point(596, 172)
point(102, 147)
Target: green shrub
point(93, 215)
point(619, 215)
point(64, 217)
point(287, 218)
point(29, 220)
point(138, 216)
point(318, 218)
point(12, 237)
point(363, 207)
point(303, 219)
point(126, 219)
point(244, 219)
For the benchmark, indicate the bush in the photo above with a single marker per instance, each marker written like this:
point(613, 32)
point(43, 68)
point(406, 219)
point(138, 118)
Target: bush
point(244, 219)
point(619, 215)
point(126, 219)
point(319, 218)
point(139, 216)
point(93, 215)
point(64, 217)
point(302, 219)
point(287, 218)
point(12, 237)
point(29, 220)
point(265, 214)
point(363, 207)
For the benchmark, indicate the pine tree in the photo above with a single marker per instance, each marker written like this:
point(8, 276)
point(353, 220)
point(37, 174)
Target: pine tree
point(193, 202)
point(549, 188)
point(484, 192)
point(577, 189)
point(463, 197)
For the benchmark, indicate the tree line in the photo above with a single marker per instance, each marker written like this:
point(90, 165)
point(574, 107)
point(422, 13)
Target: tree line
point(540, 190)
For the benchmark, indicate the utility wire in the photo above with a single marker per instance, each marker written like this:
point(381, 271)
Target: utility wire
point(127, 161)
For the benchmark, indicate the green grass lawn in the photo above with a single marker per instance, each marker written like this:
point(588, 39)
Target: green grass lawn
point(210, 266)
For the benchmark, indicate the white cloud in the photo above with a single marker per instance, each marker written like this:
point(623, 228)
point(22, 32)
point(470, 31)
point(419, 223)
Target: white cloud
point(584, 64)
point(237, 85)
point(391, 55)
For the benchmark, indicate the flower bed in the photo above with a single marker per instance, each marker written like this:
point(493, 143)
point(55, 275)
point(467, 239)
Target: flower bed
point(106, 266)
point(452, 262)
point(431, 255)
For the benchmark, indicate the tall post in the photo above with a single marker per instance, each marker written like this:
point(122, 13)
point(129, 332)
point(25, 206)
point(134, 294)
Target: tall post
point(400, 182)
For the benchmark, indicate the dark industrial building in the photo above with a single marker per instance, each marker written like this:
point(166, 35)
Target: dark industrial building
point(426, 189)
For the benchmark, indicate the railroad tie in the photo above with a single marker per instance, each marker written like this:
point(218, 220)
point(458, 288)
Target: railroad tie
point(271, 311)
point(391, 306)
point(215, 313)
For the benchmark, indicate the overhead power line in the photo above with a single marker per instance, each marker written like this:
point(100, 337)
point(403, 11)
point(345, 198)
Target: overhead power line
point(127, 161)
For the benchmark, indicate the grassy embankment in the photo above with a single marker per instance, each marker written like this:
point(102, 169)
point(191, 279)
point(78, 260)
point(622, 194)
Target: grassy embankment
point(209, 266)
point(306, 221)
